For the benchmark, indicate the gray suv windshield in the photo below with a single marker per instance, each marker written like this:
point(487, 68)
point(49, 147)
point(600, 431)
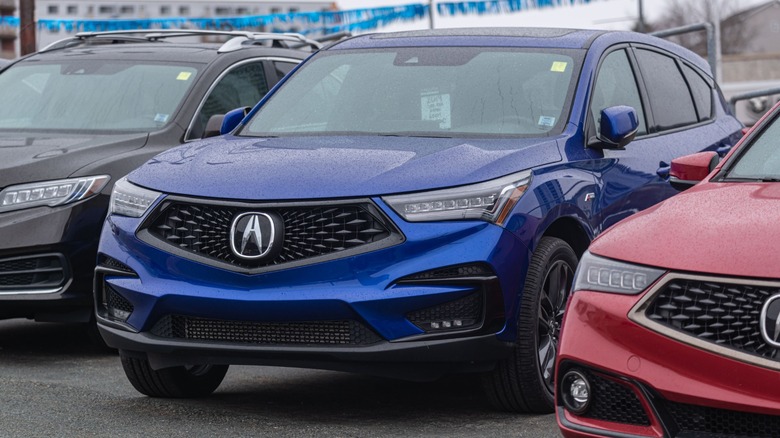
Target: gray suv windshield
point(441, 91)
point(90, 95)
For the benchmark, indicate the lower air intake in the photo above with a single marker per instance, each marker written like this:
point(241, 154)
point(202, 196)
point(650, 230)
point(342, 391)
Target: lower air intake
point(265, 333)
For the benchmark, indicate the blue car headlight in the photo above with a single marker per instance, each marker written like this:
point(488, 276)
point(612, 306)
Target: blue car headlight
point(491, 201)
point(51, 193)
point(599, 274)
point(130, 200)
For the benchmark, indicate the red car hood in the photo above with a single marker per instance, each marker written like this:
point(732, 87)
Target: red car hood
point(719, 228)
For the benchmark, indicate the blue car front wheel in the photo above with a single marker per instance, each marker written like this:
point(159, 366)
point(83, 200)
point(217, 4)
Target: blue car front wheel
point(175, 382)
point(524, 382)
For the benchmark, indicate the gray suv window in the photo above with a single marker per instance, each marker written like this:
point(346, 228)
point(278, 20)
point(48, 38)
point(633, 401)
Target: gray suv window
point(242, 86)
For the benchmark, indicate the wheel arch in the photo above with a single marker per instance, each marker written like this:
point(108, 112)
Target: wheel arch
point(570, 230)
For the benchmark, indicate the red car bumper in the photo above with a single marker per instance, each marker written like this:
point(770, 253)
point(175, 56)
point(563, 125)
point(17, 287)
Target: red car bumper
point(643, 383)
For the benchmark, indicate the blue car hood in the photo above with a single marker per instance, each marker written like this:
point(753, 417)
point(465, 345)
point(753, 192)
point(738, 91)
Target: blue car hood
point(287, 168)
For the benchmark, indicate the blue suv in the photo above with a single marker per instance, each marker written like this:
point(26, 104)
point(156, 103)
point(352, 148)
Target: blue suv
point(406, 205)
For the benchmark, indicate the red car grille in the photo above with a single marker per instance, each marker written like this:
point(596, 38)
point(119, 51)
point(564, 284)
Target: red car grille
point(726, 314)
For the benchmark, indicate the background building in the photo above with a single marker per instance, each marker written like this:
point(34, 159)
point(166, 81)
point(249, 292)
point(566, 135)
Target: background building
point(7, 33)
point(152, 9)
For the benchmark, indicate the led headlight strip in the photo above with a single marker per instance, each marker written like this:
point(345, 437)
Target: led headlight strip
point(491, 201)
point(51, 193)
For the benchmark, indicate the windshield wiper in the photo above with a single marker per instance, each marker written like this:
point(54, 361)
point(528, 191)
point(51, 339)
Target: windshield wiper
point(749, 179)
point(412, 134)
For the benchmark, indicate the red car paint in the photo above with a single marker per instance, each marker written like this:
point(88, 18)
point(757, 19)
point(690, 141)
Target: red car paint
point(722, 230)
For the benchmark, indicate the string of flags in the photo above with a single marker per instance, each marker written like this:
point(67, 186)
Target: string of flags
point(315, 22)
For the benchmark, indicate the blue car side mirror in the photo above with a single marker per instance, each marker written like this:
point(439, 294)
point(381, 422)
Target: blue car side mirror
point(220, 124)
point(232, 119)
point(617, 127)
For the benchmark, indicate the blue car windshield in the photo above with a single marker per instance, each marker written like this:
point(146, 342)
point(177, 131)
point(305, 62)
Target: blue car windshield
point(89, 95)
point(437, 92)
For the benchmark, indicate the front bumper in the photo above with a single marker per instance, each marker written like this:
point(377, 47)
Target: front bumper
point(47, 259)
point(646, 384)
point(412, 360)
point(303, 316)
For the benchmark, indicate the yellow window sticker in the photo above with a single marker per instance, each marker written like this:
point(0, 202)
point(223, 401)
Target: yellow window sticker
point(183, 76)
point(559, 66)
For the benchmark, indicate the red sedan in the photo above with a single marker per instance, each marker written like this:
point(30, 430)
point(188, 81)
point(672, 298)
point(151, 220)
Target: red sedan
point(673, 325)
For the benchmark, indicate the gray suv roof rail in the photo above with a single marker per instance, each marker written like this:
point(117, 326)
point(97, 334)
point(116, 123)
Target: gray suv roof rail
point(242, 38)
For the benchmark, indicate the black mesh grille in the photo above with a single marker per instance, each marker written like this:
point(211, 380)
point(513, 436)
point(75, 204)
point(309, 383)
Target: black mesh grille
point(452, 272)
point(35, 272)
point(266, 333)
point(114, 301)
point(308, 231)
point(720, 422)
point(110, 262)
point(462, 313)
point(614, 402)
point(721, 313)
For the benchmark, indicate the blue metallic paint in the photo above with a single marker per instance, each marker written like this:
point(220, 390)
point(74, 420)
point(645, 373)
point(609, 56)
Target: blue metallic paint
point(584, 186)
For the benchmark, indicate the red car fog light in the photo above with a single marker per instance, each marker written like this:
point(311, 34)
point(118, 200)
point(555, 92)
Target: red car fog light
point(575, 392)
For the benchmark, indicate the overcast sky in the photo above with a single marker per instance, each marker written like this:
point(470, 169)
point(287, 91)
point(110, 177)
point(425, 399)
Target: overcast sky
point(599, 14)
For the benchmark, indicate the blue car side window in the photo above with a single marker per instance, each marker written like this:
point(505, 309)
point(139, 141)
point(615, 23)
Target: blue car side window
point(616, 85)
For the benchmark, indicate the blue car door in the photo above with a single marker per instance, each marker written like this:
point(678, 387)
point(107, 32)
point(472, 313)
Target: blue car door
point(673, 121)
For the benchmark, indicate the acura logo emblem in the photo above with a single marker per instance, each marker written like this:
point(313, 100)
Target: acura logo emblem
point(253, 235)
point(770, 321)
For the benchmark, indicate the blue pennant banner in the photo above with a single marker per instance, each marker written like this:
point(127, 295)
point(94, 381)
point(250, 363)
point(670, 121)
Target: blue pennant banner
point(498, 6)
point(319, 22)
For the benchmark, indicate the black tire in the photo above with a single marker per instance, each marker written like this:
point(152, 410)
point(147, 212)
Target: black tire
point(175, 382)
point(524, 382)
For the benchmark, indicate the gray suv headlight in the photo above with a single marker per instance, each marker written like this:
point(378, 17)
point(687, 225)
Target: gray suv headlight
point(130, 200)
point(51, 193)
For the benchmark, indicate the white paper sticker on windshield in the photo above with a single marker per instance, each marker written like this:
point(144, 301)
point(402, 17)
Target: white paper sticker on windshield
point(546, 121)
point(559, 66)
point(436, 107)
point(183, 76)
point(161, 118)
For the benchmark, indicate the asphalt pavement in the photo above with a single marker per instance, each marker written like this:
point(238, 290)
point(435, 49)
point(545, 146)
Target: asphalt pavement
point(55, 383)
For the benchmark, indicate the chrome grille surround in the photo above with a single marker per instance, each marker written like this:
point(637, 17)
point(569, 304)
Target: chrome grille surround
point(730, 310)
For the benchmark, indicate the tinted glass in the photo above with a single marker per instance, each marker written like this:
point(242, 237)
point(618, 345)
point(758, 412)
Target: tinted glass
point(702, 93)
point(761, 159)
point(242, 86)
point(92, 95)
point(669, 95)
point(616, 85)
point(282, 68)
point(447, 91)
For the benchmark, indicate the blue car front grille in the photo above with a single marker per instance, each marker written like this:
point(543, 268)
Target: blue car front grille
point(199, 230)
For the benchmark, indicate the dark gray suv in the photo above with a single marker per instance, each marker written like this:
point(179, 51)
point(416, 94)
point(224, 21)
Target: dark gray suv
point(80, 114)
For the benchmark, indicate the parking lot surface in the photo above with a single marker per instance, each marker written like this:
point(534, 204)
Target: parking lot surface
point(55, 383)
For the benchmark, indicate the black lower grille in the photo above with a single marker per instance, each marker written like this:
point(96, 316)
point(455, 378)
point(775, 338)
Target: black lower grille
point(265, 333)
point(47, 271)
point(308, 231)
point(723, 313)
point(614, 402)
point(698, 420)
point(462, 313)
point(116, 302)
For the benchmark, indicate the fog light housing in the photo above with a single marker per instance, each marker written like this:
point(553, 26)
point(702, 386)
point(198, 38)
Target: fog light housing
point(575, 392)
